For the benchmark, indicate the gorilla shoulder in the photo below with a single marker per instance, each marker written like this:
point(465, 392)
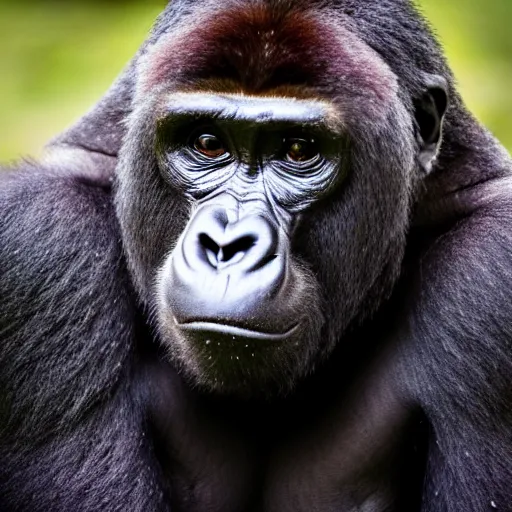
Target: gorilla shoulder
point(61, 270)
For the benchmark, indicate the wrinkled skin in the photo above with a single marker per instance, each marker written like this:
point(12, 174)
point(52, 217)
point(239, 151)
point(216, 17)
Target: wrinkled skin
point(269, 272)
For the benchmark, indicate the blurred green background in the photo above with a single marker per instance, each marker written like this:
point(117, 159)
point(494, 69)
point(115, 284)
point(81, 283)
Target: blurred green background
point(58, 57)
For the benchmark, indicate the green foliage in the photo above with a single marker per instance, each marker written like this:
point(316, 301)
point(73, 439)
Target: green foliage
point(477, 39)
point(57, 58)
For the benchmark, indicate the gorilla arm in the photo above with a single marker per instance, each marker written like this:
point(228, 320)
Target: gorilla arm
point(64, 363)
point(457, 354)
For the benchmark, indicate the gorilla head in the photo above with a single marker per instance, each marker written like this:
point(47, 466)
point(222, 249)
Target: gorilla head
point(264, 188)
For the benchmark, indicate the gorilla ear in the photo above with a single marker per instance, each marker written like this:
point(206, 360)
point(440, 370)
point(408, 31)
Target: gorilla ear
point(429, 110)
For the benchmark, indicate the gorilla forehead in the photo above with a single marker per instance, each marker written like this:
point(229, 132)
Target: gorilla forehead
point(257, 47)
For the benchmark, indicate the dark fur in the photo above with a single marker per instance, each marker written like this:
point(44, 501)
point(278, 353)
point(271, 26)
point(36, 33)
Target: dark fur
point(91, 418)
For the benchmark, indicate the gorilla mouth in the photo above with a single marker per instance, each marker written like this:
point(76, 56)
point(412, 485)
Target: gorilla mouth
point(232, 330)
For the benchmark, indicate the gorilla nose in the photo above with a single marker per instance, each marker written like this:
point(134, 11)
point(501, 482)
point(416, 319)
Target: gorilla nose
point(241, 246)
point(227, 270)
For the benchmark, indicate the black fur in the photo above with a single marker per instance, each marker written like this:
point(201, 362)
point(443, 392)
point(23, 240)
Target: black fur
point(418, 391)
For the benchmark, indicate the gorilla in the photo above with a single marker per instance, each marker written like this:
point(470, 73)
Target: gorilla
point(270, 271)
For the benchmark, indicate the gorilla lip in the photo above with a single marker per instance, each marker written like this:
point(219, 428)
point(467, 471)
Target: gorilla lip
point(237, 331)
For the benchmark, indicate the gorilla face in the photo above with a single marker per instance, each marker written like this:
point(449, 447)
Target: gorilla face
point(232, 295)
point(259, 221)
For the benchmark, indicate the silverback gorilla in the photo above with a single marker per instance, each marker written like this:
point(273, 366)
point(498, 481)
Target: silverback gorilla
point(270, 271)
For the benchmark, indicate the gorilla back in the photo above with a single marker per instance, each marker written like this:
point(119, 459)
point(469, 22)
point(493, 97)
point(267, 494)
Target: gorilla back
point(270, 271)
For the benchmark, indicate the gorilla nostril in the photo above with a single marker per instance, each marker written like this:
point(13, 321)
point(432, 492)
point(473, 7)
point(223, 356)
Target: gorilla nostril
point(238, 247)
point(211, 249)
point(219, 255)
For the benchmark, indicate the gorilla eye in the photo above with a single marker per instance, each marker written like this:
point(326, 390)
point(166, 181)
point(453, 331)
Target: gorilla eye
point(210, 146)
point(300, 150)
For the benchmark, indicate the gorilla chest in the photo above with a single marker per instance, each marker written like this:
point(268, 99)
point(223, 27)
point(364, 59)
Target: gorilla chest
point(340, 463)
point(340, 479)
point(304, 489)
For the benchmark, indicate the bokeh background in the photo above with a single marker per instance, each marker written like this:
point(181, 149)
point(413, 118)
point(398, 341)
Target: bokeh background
point(58, 57)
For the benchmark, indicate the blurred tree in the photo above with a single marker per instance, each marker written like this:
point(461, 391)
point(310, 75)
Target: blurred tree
point(58, 57)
